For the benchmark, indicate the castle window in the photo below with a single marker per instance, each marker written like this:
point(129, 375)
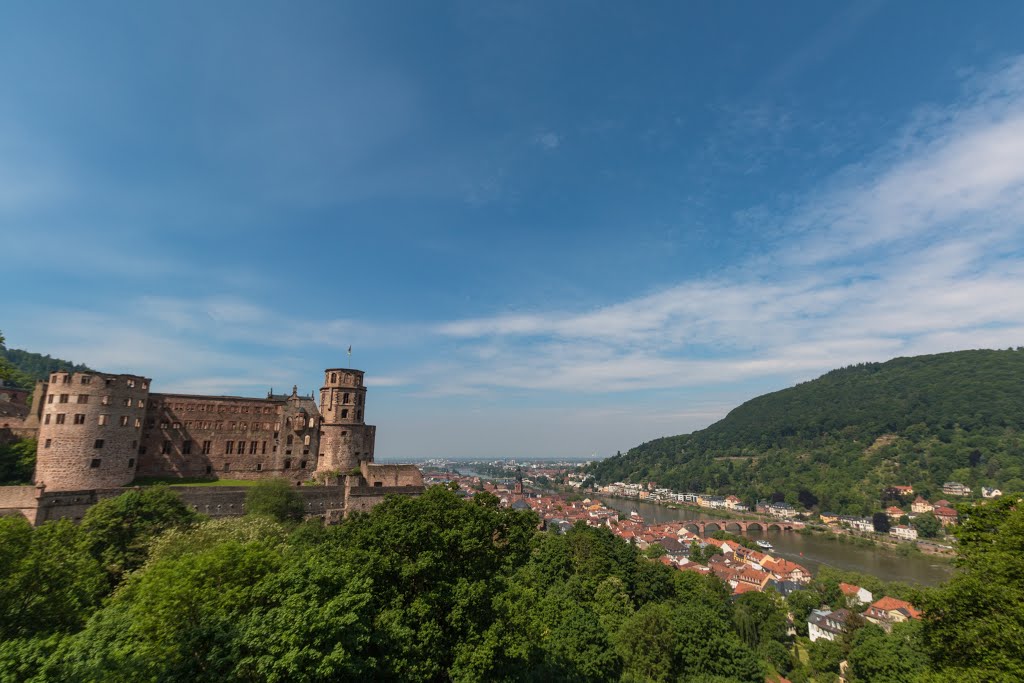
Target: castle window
point(229, 446)
point(287, 464)
point(48, 441)
point(209, 469)
point(131, 462)
point(344, 412)
point(378, 483)
point(288, 441)
point(334, 377)
point(288, 452)
point(306, 440)
point(206, 447)
point(98, 443)
point(124, 420)
point(360, 401)
point(103, 420)
point(86, 379)
point(54, 378)
point(186, 448)
point(46, 420)
point(145, 385)
point(231, 425)
point(344, 432)
point(80, 419)
point(95, 463)
point(302, 465)
point(67, 378)
point(134, 444)
point(264, 450)
point(140, 404)
point(49, 399)
point(127, 403)
point(60, 418)
point(344, 397)
point(277, 434)
point(227, 467)
point(166, 447)
point(176, 425)
point(131, 384)
point(188, 424)
point(245, 409)
point(83, 398)
point(63, 398)
point(305, 451)
point(108, 381)
point(259, 467)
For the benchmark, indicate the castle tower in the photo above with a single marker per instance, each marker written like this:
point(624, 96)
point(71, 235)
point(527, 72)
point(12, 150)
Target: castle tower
point(90, 429)
point(345, 439)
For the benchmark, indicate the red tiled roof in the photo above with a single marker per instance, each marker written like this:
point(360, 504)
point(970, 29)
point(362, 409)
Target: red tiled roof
point(849, 589)
point(888, 604)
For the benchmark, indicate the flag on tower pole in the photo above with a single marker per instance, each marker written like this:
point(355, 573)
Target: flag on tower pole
point(350, 355)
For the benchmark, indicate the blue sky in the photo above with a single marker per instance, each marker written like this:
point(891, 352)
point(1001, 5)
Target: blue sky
point(546, 229)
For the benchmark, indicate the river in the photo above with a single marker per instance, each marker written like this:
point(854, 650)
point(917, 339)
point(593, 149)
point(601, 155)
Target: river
point(813, 551)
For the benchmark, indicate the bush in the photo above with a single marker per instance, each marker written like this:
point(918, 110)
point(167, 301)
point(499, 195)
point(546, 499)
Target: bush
point(276, 499)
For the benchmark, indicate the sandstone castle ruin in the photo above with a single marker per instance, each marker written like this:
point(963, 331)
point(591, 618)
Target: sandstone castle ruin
point(99, 432)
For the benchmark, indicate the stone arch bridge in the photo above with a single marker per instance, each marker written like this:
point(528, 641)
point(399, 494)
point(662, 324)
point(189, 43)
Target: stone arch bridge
point(737, 526)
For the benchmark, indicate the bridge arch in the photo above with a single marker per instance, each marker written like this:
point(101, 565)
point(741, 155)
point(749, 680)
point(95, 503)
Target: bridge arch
point(709, 530)
point(775, 525)
point(752, 526)
point(734, 527)
point(693, 526)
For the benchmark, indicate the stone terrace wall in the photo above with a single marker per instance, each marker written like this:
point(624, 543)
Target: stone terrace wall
point(18, 500)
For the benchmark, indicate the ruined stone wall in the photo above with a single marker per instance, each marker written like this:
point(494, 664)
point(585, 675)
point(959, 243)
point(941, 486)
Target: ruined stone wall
point(18, 500)
point(379, 475)
point(345, 438)
point(229, 437)
point(90, 430)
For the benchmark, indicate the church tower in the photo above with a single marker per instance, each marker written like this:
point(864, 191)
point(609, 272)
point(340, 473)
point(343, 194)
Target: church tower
point(345, 438)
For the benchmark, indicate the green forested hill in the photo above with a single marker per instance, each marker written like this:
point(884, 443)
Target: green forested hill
point(23, 368)
point(842, 438)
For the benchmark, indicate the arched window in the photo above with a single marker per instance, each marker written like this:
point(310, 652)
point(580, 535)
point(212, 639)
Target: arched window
point(334, 377)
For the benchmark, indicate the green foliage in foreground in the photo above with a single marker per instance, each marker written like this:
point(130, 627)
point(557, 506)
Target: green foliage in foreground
point(952, 416)
point(17, 462)
point(436, 588)
point(275, 498)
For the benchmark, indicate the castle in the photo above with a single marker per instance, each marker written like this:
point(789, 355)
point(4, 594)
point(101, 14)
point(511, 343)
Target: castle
point(99, 432)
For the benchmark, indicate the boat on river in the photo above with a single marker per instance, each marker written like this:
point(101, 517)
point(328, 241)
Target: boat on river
point(765, 544)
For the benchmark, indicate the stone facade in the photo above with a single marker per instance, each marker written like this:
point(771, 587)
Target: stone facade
point(98, 430)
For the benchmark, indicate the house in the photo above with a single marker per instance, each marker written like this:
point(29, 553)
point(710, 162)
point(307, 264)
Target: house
point(734, 503)
point(856, 594)
point(827, 625)
point(861, 524)
point(903, 533)
point(894, 512)
point(829, 517)
point(986, 492)
point(955, 488)
point(787, 571)
point(921, 506)
point(887, 611)
point(947, 516)
point(900, 490)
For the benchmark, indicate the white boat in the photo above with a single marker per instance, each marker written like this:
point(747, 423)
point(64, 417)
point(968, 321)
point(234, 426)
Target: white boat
point(764, 544)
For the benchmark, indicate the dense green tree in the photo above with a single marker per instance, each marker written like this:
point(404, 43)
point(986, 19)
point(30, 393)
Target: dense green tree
point(118, 530)
point(974, 624)
point(670, 641)
point(48, 582)
point(927, 525)
point(17, 462)
point(759, 617)
point(878, 657)
point(825, 656)
point(275, 498)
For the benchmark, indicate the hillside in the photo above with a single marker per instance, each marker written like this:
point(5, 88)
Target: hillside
point(23, 368)
point(947, 416)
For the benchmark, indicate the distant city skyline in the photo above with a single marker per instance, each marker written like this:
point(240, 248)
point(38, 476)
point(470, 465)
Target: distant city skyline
point(545, 230)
